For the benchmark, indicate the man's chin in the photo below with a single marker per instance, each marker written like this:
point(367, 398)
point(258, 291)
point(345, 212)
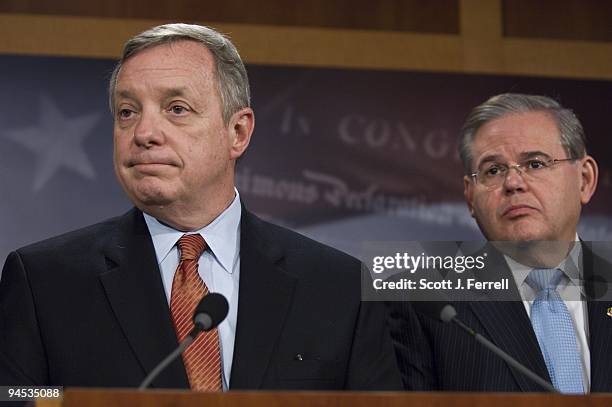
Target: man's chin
point(523, 233)
point(151, 199)
point(154, 202)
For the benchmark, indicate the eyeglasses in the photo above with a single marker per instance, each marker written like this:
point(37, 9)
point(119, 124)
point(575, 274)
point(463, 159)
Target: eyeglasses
point(494, 174)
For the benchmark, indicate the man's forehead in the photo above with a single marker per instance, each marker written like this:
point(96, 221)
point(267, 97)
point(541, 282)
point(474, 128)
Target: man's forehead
point(170, 69)
point(174, 58)
point(518, 135)
point(131, 92)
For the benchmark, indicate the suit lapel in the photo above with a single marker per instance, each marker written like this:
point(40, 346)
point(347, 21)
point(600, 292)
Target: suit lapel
point(266, 292)
point(509, 327)
point(135, 292)
point(597, 274)
point(600, 327)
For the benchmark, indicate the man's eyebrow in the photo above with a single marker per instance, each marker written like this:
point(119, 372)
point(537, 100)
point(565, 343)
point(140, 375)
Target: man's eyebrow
point(172, 92)
point(522, 156)
point(490, 158)
point(165, 93)
point(531, 154)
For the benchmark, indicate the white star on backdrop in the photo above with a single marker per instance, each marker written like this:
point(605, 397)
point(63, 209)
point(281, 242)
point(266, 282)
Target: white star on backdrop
point(57, 142)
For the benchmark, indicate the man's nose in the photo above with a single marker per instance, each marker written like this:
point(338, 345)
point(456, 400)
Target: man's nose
point(148, 132)
point(515, 179)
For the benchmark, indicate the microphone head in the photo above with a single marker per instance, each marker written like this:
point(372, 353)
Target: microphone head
point(442, 311)
point(211, 310)
point(447, 313)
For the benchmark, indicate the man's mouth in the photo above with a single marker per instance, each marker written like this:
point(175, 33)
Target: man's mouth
point(516, 211)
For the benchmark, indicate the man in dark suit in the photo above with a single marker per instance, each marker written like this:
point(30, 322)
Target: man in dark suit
point(527, 177)
point(101, 306)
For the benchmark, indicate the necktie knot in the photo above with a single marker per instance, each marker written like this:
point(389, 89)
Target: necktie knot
point(191, 246)
point(544, 279)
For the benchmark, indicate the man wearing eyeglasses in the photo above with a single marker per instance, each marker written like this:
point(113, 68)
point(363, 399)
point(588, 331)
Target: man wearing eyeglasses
point(528, 171)
point(527, 176)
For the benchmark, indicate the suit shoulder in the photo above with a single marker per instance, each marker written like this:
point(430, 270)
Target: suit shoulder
point(299, 245)
point(77, 240)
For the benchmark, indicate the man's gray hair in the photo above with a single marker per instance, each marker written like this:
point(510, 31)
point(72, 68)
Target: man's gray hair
point(571, 132)
point(231, 75)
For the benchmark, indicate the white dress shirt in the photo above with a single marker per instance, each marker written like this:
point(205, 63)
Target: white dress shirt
point(219, 267)
point(572, 292)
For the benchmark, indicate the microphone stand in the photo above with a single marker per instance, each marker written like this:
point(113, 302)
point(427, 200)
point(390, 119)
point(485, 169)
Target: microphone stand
point(505, 357)
point(170, 358)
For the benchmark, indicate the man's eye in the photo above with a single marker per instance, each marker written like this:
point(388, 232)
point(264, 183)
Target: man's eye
point(178, 109)
point(125, 113)
point(535, 164)
point(492, 171)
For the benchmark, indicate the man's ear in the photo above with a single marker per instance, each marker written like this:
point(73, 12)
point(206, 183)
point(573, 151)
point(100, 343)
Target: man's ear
point(468, 193)
point(589, 174)
point(241, 127)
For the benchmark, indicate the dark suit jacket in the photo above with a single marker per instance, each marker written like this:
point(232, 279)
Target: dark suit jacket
point(436, 356)
point(88, 309)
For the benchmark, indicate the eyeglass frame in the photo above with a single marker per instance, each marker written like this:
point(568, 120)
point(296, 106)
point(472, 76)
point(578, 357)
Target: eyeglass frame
point(520, 168)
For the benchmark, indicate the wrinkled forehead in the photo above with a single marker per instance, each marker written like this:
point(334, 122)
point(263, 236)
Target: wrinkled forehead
point(516, 136)
point(180, 55)
point(176, 68)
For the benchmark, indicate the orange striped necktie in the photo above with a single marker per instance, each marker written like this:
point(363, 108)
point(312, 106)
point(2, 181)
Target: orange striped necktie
point(202, 358)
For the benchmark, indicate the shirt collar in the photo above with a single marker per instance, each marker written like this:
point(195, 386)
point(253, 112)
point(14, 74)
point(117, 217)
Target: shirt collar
point(222, 235)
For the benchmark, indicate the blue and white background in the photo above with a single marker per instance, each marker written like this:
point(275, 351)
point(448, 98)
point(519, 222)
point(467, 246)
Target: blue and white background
point(342, 156)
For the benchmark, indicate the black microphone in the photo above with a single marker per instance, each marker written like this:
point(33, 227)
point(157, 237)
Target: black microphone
point(447, 313)
point(209, 313)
